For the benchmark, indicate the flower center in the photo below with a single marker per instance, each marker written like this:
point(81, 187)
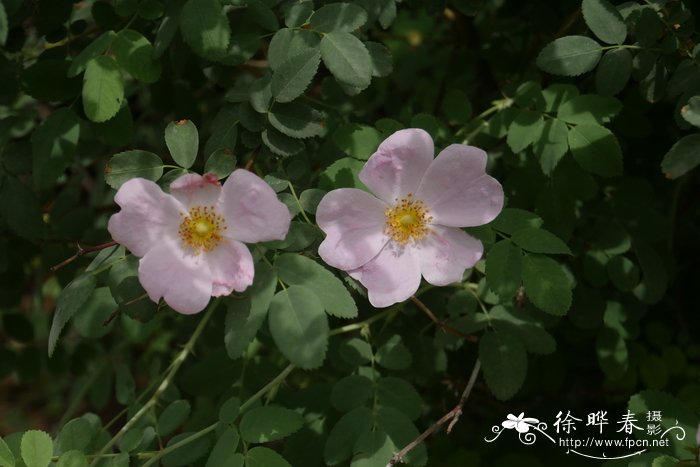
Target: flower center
point(202, 229)
point(407, 220)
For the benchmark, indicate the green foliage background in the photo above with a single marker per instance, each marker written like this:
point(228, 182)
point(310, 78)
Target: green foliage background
point(583, 301)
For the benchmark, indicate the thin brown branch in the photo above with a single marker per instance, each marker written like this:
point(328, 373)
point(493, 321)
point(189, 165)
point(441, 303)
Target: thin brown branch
point(82, 251)
point(452, 416)
point(445, 327)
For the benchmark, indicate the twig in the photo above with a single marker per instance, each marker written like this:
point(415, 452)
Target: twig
point(452, 416)
point(82, 251)
point(445, 327)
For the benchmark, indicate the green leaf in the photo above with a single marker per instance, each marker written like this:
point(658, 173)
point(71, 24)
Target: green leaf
point(47, 80)
point(221, 163)
point(299, 326)
point(73, 297)
point(76, 434)
point(223, 132)
point(93, 50)
point(245, 317)
point(345, 433)
point(552, 144)
point(613, 72)
point(72, 459)
point(103, 89)
point(654, 275)
point(310, 199)
point(538, 240)
point(4, 27)
point(224, 452)
point(172, 417)
point(54, 144)
point(524, 129)
point(623, 273)
point(556, 94)
point(604, 20)
point(182, 140)
point(589, 109)
point(570, 56)
point(295, 120)
point(399, 394)
point(342, 174)
point(394, 355)
point(187, 454)
point(298, 13)
point(512, 219)
point(296, 269)
point(345, 17)
point(596, 149)
point(504, 265)
point(37, 448)
point(546, 284)
point(358, 141)
point(7, 459)
point(347, 58)
point(89, 322)
point(290, 42)
point(351, 392)
point(134, 53)
point(269, 423)
point(281, 144)
point(131, 164)
point(118, 130)
point(20, 208)
point(504, 361)
point(355, 351)
point(168, 27)
point(532, 334)
point(263, 15)
point(205, 28)
point(294, 75)
point(382, 64)
point(456, 106)
point(691, 111)
point(264, 457)
point(683, 156)
point(401, 431)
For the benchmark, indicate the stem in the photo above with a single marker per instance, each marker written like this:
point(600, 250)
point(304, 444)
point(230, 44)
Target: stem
point(82, 251)
point(362, 324)
point(296, 198)
point(445, 327)
point(170, 375)
point(453, 415)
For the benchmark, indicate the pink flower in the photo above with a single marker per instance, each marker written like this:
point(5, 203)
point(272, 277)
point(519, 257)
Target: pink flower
point(411, 227)
point(190, 241)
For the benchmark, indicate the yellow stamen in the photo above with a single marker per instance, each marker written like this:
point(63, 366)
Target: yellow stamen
point(407, 220)
point(202, 229)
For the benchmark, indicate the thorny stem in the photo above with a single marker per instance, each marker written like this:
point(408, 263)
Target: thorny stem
point(170, 375)
point(452, 416)
point(445, 327)
point(82, 251)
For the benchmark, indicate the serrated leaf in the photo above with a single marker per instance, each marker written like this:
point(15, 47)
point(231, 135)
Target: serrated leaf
point(269, 423)
point(221, 163)
point(504, 361)
point(524, 129)
point(264, 457)
point(345, 17)
point(260, 96)
point(290, 42)
point(552, 144)
point(223, 132)
point(263, 15)
point(570, 56)
point(294, 75)
point(596, 149)
point(205, 28)
point(72, 298)
point(103, 89)
point(613, 72)
point(382, 64)
point(512, 219)
point(299, 326)
point(504, 265)
point(358, 141)
point(130, 164)
point(296, 269)
point(589, 109)
point(604, 20)
point(347, 58)
point(182, 140)
point(134, 53)
point(93, 50)
point(281, 144)
point(683, 156)
point(37, 448)
point(7, 459)
point(295, 120)
point(298, 13)
point(546, 284)
point(538, 240)
point(54, 144)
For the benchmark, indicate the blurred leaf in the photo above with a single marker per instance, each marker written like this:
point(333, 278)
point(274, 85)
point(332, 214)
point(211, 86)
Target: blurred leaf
point(596, 149)
point(546, 284)
point(187, 454)
point(345, 433)
point(264, 457)
point(347, 58)
point(103, 89)
point(172, 417)
point(504, 265)
point(511, 219)
point(134, 53)
point(570, 56)
point(6, 457)
point(358, 141)
point(131, 164)
point(75, 435)
point(504, 361)
point(47, 80)
point(683, 156)
point(72, 459)
point(182, 140)
point(4, 28)
point(168, 27)
point(613, 72)
point(294, 75)
point(382, 64)
point(91, 51)
point(399, 394)
point(604, 20)
point(691, 111)
point(37, 448)
point(552, 144)
point(456, 106)
point(263, 15)
point(54, 144)
point(269, 423)
point(298, 13)
point(589, 109)
point(223, 132)
point(538, 240)
point(351, 392)
point(623, 273)
point(221, 163)
point(90, 320)
point(345, 17)
point(224, 451)
point(394, 355)
point(205, 28)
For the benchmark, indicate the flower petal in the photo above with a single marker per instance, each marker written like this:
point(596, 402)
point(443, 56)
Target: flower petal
point(390, 277)
point(398, 165)
point(445, 253)
point(181, 278)
point(148, 215)
point(353, 221)
point(196, 190)
point(508, 424)
point(231, 266)
point(522, 427)
point(457, 190)
point(251, 209)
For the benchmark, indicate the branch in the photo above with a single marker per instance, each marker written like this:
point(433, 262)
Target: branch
point(452, 416)
point(82, 251)
point(445, 327)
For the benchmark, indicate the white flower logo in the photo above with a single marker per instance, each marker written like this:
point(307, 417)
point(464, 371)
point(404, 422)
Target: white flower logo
point(521, 424)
